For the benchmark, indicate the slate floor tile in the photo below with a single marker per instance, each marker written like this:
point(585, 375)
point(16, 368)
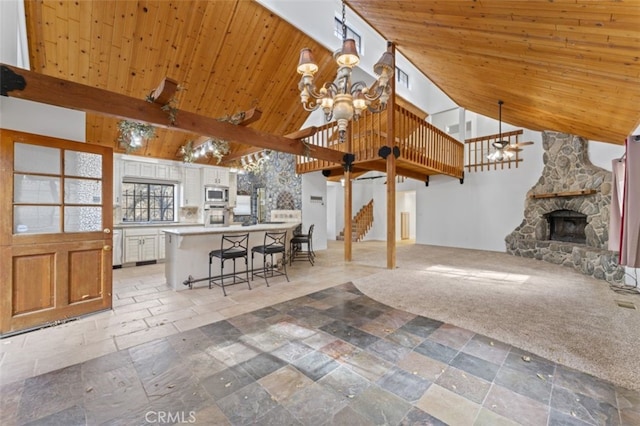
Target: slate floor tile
point(417, 417)
point(409, 387)
point(447, 406)
point(584, 407)
point(343, 381)
point(246, 405)
point(516, 407)
point(261, 365)
point(380, 406)
point(291, 351)
point(464, 384)
point(315, 365)
point(488, 349)
point(534, 386)
point(585, 384)
point(226, 382)
point(436, 351)
point(349, 334)
point(283, 383)
point(72, 416)
point(278, 416)
point(348, 416)
point(314, 405)
point(478, 367)
point(388, 350)
point(528, 362)
point(421, 326)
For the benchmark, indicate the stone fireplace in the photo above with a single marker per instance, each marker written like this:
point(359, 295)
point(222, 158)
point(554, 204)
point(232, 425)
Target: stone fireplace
point(566, 214)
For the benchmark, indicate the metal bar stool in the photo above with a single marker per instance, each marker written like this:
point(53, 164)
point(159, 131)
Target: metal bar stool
point(274, 243)
point(232, 247)
point(296, 251)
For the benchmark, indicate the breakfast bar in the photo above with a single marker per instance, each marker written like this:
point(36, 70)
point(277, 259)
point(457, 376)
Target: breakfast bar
point(187, 248)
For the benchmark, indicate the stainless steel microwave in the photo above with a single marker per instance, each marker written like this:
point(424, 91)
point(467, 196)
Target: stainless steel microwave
point(216, 194)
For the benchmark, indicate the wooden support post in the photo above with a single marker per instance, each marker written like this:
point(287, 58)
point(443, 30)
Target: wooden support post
point(348, 199)
point(391, 170)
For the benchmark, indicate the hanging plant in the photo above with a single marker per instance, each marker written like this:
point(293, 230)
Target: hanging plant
point(132, 134)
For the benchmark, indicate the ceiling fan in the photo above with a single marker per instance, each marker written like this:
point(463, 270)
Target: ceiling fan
point(503, 149)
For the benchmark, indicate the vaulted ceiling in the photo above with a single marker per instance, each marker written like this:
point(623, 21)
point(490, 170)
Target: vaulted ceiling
point(569, 66)
point(563, 65)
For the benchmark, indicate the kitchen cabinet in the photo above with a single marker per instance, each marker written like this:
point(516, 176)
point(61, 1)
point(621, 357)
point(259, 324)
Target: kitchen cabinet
point(233, 189)
point(139, 169)
point(161, 248)
point(192, 187)
point(140, 244)
point(216, 176)
point(167, 172)
point(117, 182)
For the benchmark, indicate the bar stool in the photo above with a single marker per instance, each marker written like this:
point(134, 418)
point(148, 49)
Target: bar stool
point(296, 251)
point(274, 243)
point(232, 247)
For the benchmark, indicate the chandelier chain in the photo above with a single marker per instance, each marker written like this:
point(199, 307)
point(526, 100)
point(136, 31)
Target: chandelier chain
point(344, 22)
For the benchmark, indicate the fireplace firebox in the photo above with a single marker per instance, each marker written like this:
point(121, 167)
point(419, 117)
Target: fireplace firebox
point(567, 225)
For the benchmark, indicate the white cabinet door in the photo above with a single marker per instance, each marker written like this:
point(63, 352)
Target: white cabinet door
point(131, 249)
point(117, 181)
point(140, 245)
point(167, 172)
point(192, 187)
point(223, 176)
point(216, 176)
point(161, 246)
point(233, 189)
point(148, 247)
point(139, 169)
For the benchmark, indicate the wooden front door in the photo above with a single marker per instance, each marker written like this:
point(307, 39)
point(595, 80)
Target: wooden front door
point(55, 230)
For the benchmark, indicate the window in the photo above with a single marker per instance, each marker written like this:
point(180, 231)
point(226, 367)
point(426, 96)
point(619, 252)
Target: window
point(402, 78)
point(148, 202)
point(350, 33)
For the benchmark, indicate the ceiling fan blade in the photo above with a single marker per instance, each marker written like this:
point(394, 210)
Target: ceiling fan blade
point(513, 148)
point(523, 143)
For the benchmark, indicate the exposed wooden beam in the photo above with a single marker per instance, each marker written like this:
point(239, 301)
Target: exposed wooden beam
point(67, 94)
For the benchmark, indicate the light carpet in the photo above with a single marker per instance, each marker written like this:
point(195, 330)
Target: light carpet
point(549, 310)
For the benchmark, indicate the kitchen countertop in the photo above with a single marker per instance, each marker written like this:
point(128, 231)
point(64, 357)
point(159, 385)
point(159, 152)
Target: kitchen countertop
point(201, 230)
point(154, 225)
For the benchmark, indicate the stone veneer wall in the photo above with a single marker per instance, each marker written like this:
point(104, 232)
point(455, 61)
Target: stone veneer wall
point(567, 168)
point(278, 176)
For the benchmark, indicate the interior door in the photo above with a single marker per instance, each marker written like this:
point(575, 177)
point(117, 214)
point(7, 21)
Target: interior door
point(56, 218)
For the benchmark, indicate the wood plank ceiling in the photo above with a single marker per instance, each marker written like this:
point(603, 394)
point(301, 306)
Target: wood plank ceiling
point(227, 56)
point(569, 66)
point(563, 65)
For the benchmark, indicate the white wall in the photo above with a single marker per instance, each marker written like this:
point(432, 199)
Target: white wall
point(22, 115)
point(312, 213)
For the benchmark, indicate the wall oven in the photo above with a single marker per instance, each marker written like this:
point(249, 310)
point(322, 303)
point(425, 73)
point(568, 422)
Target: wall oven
point(216, 194)
point(216, 215)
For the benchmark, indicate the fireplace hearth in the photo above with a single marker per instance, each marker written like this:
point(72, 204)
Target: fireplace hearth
point(566, 216)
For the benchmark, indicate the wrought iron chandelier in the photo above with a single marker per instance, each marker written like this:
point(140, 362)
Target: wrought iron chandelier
point(342, 99)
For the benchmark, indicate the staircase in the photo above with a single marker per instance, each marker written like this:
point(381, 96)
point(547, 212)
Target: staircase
point(360, 224)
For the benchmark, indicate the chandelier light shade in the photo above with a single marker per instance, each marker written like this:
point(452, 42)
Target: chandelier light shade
point(341, 99)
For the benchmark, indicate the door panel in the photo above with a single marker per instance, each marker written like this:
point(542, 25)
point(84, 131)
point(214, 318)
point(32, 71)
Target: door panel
point(55, 230)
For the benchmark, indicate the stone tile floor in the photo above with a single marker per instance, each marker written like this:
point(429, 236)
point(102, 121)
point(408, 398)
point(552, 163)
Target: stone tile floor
point(331, 357)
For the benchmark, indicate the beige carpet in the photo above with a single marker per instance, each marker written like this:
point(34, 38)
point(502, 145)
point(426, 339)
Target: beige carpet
point(546, 309)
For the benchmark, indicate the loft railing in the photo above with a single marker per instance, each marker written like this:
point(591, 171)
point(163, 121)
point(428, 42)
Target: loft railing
point(477, 150)
point(421, 144)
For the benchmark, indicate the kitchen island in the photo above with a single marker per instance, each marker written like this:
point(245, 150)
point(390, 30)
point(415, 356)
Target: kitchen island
point(187, 249)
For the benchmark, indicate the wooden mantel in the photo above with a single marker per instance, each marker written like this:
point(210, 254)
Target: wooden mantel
point(564, 194)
